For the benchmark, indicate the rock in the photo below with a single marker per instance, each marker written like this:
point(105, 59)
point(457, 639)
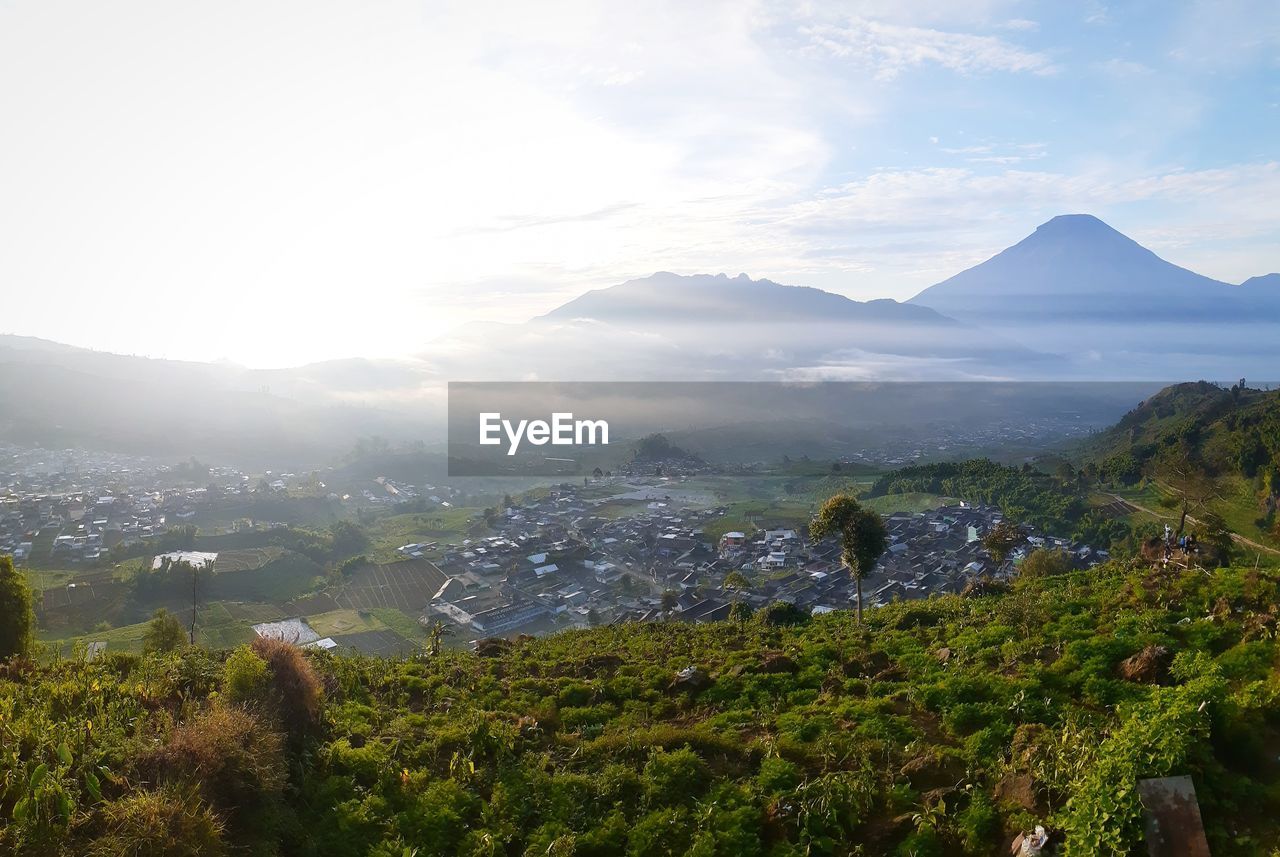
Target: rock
point(493, 647)
point(943, 654)
point(776, 662)
point(1149, 666)
point(692, 679)
point(1019, 790)
point(869, 665)
point(929, 771)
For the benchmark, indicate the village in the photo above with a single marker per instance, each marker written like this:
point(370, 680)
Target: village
point(644, 545)
point(555, 563)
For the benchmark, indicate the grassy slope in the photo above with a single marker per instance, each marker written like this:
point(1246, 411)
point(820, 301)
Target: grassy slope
point(823, 737)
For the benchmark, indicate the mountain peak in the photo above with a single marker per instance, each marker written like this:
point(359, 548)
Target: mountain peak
point(1266, 281)
point(1074, 266)
point(1076, 224)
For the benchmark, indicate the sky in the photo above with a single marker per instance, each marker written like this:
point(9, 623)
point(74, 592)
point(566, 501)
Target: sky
point(275, 183)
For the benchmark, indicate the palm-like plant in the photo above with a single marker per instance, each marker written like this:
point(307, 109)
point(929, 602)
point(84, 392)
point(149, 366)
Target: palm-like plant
point(862, 534)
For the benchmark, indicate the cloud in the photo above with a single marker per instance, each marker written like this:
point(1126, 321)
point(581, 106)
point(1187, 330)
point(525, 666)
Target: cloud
point(891, 49)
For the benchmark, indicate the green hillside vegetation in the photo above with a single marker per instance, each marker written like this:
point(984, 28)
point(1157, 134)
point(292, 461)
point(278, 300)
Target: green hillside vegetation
point(938, 727)
point(1229, 438)
point(1024, 494)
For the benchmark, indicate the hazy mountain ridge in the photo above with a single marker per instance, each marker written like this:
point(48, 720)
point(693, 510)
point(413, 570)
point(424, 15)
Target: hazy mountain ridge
point(1076, 300)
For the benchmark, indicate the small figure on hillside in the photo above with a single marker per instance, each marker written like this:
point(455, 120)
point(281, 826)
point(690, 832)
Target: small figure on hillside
point(1029, 844)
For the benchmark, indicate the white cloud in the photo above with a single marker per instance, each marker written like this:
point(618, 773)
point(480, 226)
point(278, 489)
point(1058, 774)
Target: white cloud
point(891, 49)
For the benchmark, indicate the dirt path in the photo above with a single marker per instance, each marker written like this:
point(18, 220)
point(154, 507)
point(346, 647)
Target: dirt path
point(1235, 536)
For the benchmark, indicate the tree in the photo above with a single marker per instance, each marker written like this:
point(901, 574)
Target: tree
point(1043, 562)
point(1217, 539)
point(861, 532)
point(669, 601)
point(16, 616)
point(348, 538)
point(1000, 539)
point(1180, 470)
point(164, 633)
point(736, 581)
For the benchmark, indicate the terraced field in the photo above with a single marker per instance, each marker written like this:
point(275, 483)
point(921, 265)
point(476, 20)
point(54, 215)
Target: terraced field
point(407, 586)
point(245, 559)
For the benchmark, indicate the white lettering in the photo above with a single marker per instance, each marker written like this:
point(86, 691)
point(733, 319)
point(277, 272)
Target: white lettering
point(589, 429)
point(489, 425)
point(539, 432)
point(563, 430)
point(514, 436)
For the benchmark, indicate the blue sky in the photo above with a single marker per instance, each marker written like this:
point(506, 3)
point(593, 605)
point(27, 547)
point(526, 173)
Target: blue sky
point(292, 181)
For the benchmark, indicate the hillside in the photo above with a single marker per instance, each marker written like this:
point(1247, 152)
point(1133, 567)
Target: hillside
point(59, 396)
point(1230, 435)
point(942, 727)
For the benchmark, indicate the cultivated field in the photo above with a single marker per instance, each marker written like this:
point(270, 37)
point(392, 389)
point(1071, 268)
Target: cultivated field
point(407, 586)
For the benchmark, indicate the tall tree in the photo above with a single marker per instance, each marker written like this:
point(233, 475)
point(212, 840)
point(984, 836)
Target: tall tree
point(16, 617)
point(164, 633)
point(669, 601)
point(736, 581)
point(1181, 470)
point(861, 532)
point(1000, 539)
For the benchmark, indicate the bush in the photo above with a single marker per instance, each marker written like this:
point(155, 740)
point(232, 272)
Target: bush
point(295, 687)
point(244, 677)
point(164, 633)
point(16, 618)
point(777, 775)
point(676, 777)
point(164, 823)
point(780, 613)
point(234, 759)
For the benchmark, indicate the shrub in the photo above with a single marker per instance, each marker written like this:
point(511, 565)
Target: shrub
point(234, 758)
point(295, 687)
point(676, 777)
point(244, 677)
point(777, 775)
point(164, 633)
point(781, 613)
point(16, 618)
point(164, 823)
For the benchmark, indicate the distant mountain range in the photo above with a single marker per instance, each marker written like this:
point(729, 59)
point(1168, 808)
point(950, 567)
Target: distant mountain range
point(1075, 300)
point(713, 327)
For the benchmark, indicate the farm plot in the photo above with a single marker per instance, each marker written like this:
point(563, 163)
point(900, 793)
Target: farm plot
point(407, 586)
point(83, 590)
point(245, 559)
point(287, 576)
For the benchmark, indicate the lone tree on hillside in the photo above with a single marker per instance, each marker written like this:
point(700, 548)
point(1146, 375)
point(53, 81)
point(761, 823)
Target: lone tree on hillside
point(1000, 539)
point(16, 619)
point(1183, 473)
point(164, 633)
point(862, 534)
